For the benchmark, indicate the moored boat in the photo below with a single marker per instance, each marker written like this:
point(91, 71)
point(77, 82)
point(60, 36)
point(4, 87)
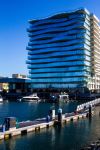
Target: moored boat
point(64, 97)
point(30, 98)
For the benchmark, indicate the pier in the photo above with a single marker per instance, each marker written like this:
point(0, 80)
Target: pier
point(40, 123)
point(30, 126)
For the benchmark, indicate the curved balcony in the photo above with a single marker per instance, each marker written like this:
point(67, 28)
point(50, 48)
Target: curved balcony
point(35, 28)
point(48, 20)
point(59, 49)
point(64, 69)
point(57, 54)
point(59, 59)
point(65, 33)
point(60, 44)
point(59, 30)
point(49, 39)
point(58, 75)
point(68, 50)
point(54, 30)
point(57, 64)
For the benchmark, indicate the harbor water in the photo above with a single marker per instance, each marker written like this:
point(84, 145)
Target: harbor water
point(71, 136)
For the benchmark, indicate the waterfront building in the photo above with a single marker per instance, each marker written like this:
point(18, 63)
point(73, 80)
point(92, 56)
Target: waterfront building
point(14, 85)
point(64, 51)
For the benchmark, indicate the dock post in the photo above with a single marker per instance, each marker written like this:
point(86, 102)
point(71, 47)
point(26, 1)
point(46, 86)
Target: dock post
point(52, 113)
point(60, 115)
point(90, 111)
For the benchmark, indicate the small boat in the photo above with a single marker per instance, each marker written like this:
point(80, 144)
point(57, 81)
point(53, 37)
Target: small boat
point(30, 98)
point(64, 97)
point(1, 99)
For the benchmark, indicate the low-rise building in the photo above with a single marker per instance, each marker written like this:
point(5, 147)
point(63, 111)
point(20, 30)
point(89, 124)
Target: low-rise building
point(19, 76)
point(15, 86)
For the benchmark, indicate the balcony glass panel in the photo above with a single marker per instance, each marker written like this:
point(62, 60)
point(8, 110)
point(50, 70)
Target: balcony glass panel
point(65, 33)
point(58, 44)
point(59, 80)
point(60, 59)
point(75, 26)
point(49, 20)
point(67, 69)
point(57, 54)
point(50, 75)
point(57, 64)
point(60, 24)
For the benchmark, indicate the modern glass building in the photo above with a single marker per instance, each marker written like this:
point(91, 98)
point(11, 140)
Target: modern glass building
point(63, 51)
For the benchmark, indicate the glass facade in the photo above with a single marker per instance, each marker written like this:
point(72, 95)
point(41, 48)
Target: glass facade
point(59, 50)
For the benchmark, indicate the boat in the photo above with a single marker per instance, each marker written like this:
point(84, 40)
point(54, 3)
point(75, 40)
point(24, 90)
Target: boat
point(1, 99)
point(59, 98)
point(64, 97)
point(30, 98)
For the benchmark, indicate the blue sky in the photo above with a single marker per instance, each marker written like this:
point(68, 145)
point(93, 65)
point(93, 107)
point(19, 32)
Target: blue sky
point(14, 16)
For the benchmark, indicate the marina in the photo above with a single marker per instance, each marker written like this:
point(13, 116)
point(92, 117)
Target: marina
point(50, 75)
